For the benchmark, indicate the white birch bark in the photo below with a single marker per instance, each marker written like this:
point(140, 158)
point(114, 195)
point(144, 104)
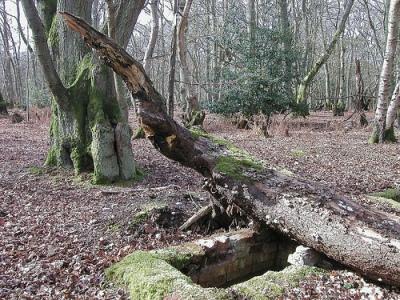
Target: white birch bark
point(393, 107)
point(378, 135)
point(155, 24)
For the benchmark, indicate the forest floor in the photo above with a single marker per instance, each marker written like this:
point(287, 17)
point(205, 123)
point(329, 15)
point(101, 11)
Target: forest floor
point(59, 232)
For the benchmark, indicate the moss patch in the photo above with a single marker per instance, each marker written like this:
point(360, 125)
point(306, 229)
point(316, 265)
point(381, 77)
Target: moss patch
point(157, 274)
point(36, 170)
point(393, 194)
point(236, 167)
point(389, 136)
point(53, 38)
point(148, 275)
point(297, 153)
point(234, 162)
point(272, 285)
point(389, 196)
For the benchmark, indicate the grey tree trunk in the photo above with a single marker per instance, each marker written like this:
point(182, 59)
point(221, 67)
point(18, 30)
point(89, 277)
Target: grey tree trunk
point(88, 131)
point(251, 24)
point(155, 24)
point(3, 105)
point(304, 84)
point(172, 63)
point(393, 108)
point(193, 116)
point(359, 105)
point(287, 45)
point(380, 134)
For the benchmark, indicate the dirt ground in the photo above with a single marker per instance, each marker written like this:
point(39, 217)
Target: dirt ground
point(59, 233)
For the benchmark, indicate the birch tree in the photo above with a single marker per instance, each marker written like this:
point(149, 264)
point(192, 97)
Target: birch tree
point(380, 132)
point(305, 82)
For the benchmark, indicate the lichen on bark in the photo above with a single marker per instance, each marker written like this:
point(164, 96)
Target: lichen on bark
point(85, 135)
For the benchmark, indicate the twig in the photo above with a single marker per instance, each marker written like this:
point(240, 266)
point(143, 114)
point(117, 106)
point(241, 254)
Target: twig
point(203, 212)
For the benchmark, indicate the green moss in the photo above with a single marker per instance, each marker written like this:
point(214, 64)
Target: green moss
point(99, 179)
point(156, 275)
point(147, 275)
point(392, 203)
point(146, 211)
point(272, 285)
point(139, 218)
point(389, 136)
point(234, 162)
point(80, 159)
point(139, 134)
point(297, 153)
point(54, 131)
point(198, 132)
point(393, 194)
point(36, 170)
point(51, 159)
point(236, 166)
point(48, 11)
point(53, 38)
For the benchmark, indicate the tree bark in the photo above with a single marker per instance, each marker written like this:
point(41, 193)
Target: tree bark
point(155, 24)
point(193, 116)
point(3, 105)
point(362, 238)
point(43, 53)
point(359, 98)
point(251, 25)
point(380, 134)
point(172, 63)
point(303, 86)
point(87, 131)
point(287, 46)
point(393, 111)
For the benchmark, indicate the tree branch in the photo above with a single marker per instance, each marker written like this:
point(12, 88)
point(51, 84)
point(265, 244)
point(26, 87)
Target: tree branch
point(39, 37)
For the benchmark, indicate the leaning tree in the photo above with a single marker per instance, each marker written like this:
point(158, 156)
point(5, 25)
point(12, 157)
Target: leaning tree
point(89, 126)
point(362, 238)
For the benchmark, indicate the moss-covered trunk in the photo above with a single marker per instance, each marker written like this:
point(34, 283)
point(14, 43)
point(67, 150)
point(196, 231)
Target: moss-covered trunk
point(90, 134)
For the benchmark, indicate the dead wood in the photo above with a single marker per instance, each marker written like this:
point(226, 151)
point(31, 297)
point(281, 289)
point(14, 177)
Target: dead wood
point(362, 238)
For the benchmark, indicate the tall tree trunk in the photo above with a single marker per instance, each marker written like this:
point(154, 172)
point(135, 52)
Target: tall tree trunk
point(3, 105)
point(304, 84)
point(172, 63)
point(9, 67)
point(380, 134)
point(87, 131)
point(155, 24)
point(393, 109)
point(359, 97)
point(193, 115)
point(287, 46)
point(251, 25)
point(345, 231)
point(342, 71)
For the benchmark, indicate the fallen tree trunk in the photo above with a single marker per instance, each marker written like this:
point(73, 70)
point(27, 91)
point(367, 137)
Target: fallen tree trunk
point(364, 239)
